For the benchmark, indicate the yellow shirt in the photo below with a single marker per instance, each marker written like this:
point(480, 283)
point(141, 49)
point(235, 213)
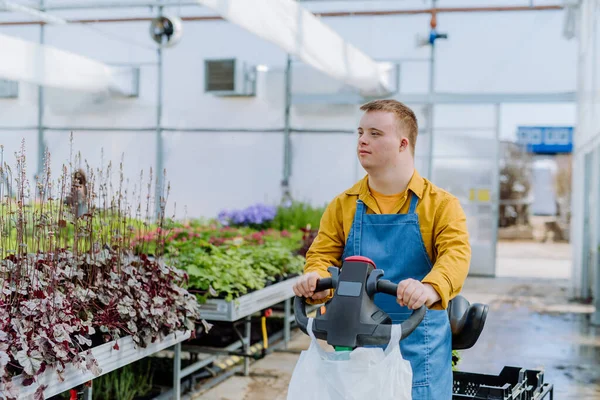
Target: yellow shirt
point(386, 202)
point(442, 222)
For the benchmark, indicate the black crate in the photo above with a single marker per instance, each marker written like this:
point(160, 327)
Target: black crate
point(513, 383)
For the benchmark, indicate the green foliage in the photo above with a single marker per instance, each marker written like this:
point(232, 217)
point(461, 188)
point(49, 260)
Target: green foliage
point(78, 210)
point(455, 359)
point(297, 215)
point(230, 261)
point(127, 383)
point(43, 229)
point(229, 271)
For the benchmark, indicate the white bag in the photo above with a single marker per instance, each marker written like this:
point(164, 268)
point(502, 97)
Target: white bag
point(361, 374)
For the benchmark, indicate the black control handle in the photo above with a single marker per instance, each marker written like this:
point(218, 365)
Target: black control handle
point(383, 286)
point(408, 326)
point(324, 284)
point(300, 304)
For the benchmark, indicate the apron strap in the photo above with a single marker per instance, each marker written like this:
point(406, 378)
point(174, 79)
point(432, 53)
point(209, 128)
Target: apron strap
point(358, 214)
point(414, 199)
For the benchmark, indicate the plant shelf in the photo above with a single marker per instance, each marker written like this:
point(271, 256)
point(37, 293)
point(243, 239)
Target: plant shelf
point(234, 310)
point(108, 359)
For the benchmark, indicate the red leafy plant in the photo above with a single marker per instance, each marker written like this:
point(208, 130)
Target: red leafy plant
point(208, 234)
point(70, 280)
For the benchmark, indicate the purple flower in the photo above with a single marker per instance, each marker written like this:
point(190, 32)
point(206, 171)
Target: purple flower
point(224, 217)
point(257, 214)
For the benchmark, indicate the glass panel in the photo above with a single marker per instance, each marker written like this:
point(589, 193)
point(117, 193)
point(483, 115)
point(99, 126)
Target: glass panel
point(465, 116)
point(471, 181)
point(467, 143)
point(11, 142)
point(136, 150)
point(210, 172)
point(323, 165)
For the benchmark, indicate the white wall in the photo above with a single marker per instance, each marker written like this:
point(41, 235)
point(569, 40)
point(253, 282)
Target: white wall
point(586, 167)
point(212, 170)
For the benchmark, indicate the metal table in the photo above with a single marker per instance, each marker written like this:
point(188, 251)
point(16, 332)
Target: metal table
point(108, 359)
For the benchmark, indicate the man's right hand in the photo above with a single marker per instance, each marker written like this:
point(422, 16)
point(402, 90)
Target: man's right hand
point(305, 287)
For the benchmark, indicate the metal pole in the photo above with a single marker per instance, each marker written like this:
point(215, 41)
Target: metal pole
point(159, 140)
point(586, 259)
point(177, 372)
point(496, 189)
point(287, 311)
point(595, 317)
point(87, 392)
point(430, 102)
point(40, 123)
point(287, 161)
point(247, 345)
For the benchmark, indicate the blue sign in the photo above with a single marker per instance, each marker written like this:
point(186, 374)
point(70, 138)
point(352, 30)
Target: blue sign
point(546, 139)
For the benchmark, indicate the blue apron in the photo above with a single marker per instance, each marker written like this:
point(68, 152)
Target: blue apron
point(395, 244)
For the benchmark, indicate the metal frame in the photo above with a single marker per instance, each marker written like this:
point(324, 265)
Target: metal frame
point(595, 317)
point(496, 204)
point(287, 143)
point(40, 117)
point(234, 310)
point(586, 248)
point(108, 359)
point(442, 98)
point(431, 103)
point(158, 138)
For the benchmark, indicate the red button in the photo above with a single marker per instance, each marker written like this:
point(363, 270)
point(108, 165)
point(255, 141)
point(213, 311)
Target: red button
point(360, 259)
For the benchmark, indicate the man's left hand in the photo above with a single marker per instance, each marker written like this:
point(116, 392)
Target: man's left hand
point(414, 294)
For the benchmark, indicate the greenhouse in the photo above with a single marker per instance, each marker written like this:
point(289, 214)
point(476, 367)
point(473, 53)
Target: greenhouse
point(168, 166)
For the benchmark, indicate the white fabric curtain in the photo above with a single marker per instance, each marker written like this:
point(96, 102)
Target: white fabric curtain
point(300, 33)
point(32, 62)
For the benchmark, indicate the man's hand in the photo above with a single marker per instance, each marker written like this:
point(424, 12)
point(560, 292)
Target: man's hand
point(305, 287)
point(414, 294)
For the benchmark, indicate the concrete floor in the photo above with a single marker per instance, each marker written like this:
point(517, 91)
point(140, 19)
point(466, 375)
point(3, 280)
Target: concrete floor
point(531, 259)
point(531, 324)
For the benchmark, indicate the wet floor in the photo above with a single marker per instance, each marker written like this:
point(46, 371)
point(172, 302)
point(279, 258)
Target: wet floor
point(564, 346)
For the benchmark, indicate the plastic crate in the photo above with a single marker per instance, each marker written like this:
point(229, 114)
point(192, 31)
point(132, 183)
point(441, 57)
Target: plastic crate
point(513, 383)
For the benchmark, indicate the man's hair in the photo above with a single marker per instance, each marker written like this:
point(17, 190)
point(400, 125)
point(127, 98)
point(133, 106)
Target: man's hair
point(404, 115)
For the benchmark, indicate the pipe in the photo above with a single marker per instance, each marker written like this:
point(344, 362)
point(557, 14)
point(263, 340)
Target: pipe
point(158, 139)
point(117, 4)
point(157, 3)
point(40, 122)
point(287, 160)
point(430, 93)
point(167, 129)
point(318, 14)
point(437, 11)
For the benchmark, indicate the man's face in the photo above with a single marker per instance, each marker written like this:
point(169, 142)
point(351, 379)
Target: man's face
point(378, 141)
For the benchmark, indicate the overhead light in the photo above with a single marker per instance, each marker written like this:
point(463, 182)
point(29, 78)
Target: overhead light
point(262, 68)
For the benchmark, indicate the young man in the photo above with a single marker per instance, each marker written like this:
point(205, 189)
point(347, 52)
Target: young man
point(413, 230)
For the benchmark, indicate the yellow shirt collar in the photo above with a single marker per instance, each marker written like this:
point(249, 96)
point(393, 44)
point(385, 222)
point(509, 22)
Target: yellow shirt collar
point(416, 185)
